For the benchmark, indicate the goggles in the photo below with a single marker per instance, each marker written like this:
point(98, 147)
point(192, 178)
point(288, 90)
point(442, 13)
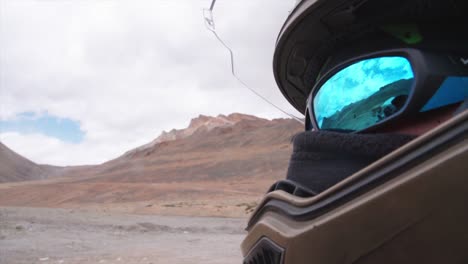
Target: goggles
point(372, 90)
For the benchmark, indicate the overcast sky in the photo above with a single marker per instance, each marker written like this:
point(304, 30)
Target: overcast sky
point(83, 81)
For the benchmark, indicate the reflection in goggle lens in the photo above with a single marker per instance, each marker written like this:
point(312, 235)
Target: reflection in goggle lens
point(363, 94)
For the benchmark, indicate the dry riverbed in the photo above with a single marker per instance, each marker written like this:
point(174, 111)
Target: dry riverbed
point(44, 235)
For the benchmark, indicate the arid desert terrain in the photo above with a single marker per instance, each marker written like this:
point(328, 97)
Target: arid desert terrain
point(183, 198)
point(41, 235)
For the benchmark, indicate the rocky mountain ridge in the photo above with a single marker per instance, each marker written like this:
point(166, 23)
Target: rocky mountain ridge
point(202, 123)
point(217, 166)
point(204, 135)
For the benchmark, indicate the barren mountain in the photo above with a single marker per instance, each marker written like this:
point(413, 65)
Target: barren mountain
point(14, 167)
point(216, 166)
point(200, 124)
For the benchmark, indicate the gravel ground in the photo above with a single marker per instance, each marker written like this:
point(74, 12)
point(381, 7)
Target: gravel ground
point(43, 235)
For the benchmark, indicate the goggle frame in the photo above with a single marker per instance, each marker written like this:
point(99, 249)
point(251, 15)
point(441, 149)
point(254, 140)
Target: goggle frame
point(430, 69)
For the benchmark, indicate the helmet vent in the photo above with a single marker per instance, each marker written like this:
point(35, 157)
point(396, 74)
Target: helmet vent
point(265, 252)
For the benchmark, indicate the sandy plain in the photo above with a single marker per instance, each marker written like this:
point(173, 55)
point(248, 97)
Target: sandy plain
point(53, 235)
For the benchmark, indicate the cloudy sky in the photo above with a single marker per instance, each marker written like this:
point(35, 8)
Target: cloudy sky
point(82, 81)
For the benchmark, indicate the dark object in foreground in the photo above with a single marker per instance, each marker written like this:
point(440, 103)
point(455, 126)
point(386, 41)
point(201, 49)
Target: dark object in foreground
point(322, 159)
point(408, 207)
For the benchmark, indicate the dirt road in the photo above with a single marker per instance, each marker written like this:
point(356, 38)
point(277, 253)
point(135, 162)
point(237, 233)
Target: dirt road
point(40, 235)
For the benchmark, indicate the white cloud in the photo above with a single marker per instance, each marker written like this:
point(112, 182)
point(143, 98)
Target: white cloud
point(49, 150)
point(126, 70)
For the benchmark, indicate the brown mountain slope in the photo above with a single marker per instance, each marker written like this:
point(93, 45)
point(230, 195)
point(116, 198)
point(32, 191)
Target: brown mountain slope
point(249, 148)
point(14, 167)
point(216, 166)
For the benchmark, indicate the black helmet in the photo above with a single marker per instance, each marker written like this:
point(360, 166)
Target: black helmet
point(318, 34)
point(404, 207)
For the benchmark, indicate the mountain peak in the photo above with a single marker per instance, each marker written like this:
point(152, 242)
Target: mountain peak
point(200, 123)
point(210, 122)
point(203, 120)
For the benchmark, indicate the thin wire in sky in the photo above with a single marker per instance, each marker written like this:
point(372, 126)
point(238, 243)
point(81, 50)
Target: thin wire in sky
point(210, 25)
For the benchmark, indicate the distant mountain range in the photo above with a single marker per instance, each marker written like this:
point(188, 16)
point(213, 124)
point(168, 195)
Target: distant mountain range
point(208, 147)
point(224, 157)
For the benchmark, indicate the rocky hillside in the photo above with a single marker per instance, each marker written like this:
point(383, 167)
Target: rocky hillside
point(211, 148)
point(14, 167)
point(200, 124)
point(217, 164)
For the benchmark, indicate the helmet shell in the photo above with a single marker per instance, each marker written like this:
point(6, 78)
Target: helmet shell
point(318, 34)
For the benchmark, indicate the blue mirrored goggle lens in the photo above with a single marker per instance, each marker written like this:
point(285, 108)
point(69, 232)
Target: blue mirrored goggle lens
point(363, 94)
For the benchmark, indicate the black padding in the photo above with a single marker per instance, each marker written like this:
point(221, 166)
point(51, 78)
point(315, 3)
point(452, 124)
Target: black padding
point(321, 159)
point(462, 107)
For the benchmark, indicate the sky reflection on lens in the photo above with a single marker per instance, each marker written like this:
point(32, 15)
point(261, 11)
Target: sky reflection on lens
point(357, 82)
